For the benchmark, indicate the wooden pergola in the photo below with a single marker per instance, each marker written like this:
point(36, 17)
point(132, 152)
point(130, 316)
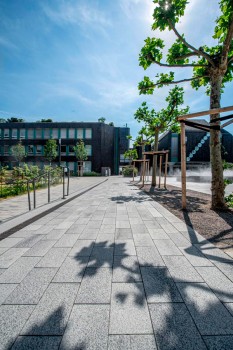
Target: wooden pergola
point(183, 122)
point(142, 161)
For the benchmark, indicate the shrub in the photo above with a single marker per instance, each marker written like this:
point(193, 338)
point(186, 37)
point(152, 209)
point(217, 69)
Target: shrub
point(229, 200)
point(128, 171)
point(91, 173)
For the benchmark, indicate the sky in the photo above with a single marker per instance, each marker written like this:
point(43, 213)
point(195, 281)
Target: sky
point(77, 60)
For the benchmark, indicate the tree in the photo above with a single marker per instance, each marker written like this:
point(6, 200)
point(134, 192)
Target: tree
point(18, 152)
point(15, 120)
point(131, 154)
point(101, 120)
point(50, 150)
point(111, 124)
point(49, 120)
point(212, 67)
point(81, 155)
point(2, 120)
point(163, 120)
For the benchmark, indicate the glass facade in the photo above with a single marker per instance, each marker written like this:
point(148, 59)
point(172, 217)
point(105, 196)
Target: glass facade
point(14, 134)
point(6, 134)
point(80, 133)
point(89, 150)
point(88, 133)
point(46, 133)
point(30, 134)
point(22, 133)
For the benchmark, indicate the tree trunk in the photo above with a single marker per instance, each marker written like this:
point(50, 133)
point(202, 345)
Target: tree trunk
point(156, 145)
point(217, 183)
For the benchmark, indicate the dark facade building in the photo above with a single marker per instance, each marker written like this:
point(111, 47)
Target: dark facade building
point(105, 144)
point(197, 146)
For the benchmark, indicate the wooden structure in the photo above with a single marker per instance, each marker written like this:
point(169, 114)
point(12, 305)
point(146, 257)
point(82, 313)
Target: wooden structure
point(214, 125)
point(161, 154)
point(147, 166)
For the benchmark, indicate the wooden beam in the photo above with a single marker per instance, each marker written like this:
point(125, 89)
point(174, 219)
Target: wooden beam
point(143, 170)
point(226, 124)
point(160, 169)
point(165, 173)
point(209, 111)
point(183, 164)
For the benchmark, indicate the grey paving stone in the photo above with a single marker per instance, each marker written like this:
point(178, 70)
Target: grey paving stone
point(54, 235)
point(219, 342)
point(174, 327)
point(31, 289)
point(37, 342)
point(158, 233)
point(82, 248)
point(209, 314)
point(179, 239)
point(44, 230)
point(21, 234)
point(3, 250)
point(71, 270)
point(124, 247)
point(143, 342)
point(107, 229)
point(76, 228)
point(167, 247)
point(95, 287)
point(82, 221)
point(149, 256)
point(126, 269)
point(142, 240)
point(152, 224)
point(104, 239)
point(218, 282)
point(122, 224)
point(195, 256)
point(136, 221)
point(90, 233)
point(154, 213)
point(33, 227)
point(5, 290)
point(10, 242)
point(16, 272)
point(124, 233)
point(12, 320)
point(109, 221)
point(117, 342)
point(10, 256)
point(65, 224)
point(129, 311)
point(229, 307)
point(54, 258)
point(122, 217)
point(28, 242)
point(94, 224)
point(139, 229)
point(87, 328)
point(169, 228)
point(40, 248)
point(52, 312)
point(101, 256)
point(159, 285)
point(181, 270)
point(67, 240)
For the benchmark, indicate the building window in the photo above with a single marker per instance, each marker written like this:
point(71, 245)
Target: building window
point(89, 150)
point(88, 133)
point(46, 134)
point(31, 134)
point(72, 133)
point(87, 166)
point(71, 149)
point(55, 133)
point(6, 134)
point(63, 150)
point(80, 134)
point(14, 134)
point(71, 166)
point(38, 149)
point(38, 133)
point(22, 133)
point(6, 149)
point(30, 149)
point(63, 133)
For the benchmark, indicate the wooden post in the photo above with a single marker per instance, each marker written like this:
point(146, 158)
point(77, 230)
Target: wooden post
point(183, 163)
point(143, 170)
point(165, 172)
point(160, 168)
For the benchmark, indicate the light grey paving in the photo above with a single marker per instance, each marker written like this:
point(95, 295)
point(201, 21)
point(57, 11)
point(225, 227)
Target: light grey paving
point(174, 327)
point(71, 270)
point(158, 233)
point(10, 256)
point(181, 270)
point(195, 256)
point(31, 289)
point(179, 239)
point(5, 290)
point(28, 242)
point(117, 342)
point(104, 239)
point(126, 269)
point(17, 271)
point(142, 240)
point(76, 228)
point(143, 342)
point(123, 233)
point(54, 258)
point(9, 242)
point(209, 314)
point(12, 320)
point(82, 248)
point(51, 314)
point(87, 328)
point(101, 256)
point(40, 248)
point(159, 285)
point(55, 234)
point(95, 287)
point(139, 229)
point(149, 256)
point(229, 307)
point(37, 342)
point(219, 342)
point(129, 311)
point(66, 241)
point(124, 247)
point(167, 247)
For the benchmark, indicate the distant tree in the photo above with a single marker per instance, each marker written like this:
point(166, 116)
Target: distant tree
point(111, 124)
point(15, 120)
point(131, 154)
point(81, 155)
point(50, 150)
point(18, 152)
point(49, 120)
point(101, 120)
point(2, 120)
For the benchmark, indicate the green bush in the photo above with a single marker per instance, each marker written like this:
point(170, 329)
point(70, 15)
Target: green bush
point(229, 200)
point(128, 171)
point(91, 173)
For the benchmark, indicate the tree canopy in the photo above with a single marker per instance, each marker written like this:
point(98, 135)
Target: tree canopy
point(50, 150)
point(18, 152)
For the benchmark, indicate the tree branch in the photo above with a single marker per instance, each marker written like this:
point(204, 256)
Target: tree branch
point(200, 53)
point(230, 59)
point(180, 65)
point(186, 56)
point(227, 42)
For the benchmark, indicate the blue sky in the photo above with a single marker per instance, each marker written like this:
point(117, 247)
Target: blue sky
point(77, 60)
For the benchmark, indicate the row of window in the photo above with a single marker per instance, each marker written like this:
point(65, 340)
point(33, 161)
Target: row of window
point(39, 150)
point(46, 133)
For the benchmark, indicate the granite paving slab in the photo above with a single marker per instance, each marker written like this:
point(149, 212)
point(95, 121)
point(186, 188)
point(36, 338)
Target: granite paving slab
point(195, 256)
point(124, 247)
point(123, 233)
point(37, 342)
point(10, 256)
point(126, 269)
point(149, 256)
point(158, 233)
point(219, 342)
point(71, 270)
point(67, 240)
point(19, 269)
point(229, 307)
point(29, 241)
point(167, 247)
point(5, 290)
point(101, 256)
point(181, 270)
point(87, 328)
point(82, 248)
point(142, 240)
point(40, 248)
point(54, 257)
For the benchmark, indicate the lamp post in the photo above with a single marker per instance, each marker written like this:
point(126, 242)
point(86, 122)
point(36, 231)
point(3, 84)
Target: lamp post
point(59, 141)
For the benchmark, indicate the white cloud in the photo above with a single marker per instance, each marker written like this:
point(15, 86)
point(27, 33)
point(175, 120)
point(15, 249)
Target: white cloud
point(138, 9)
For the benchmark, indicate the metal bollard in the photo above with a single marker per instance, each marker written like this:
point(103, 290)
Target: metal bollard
point(34, 193)
point(29, 199)
point(68, 182)
point(63, 179)
point(48, 187)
